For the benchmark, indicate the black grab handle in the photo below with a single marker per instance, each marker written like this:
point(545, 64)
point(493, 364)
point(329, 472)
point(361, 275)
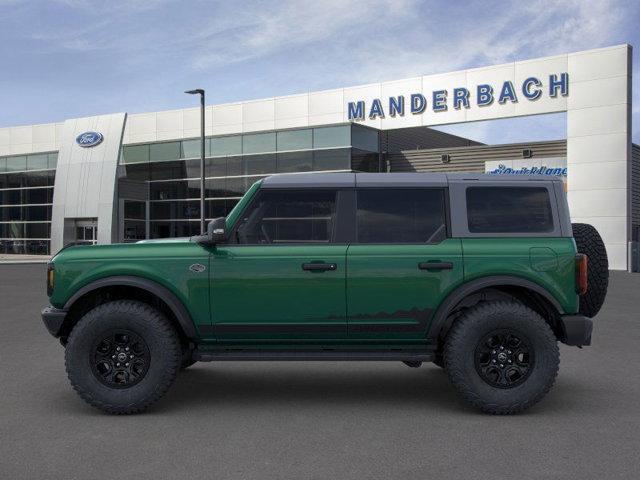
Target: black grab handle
point(435, 265)
point(319, 267)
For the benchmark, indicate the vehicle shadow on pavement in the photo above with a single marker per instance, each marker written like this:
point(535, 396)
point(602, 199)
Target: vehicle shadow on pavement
point(309, 385)
point(251, 384)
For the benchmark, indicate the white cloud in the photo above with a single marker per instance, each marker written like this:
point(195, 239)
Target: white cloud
point(288, 25)
point(308, 45)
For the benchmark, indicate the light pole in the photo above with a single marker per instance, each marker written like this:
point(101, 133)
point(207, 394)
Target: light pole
point(200, 92)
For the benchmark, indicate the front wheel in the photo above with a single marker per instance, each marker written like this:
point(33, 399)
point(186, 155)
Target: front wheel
point(122, 356)
point(502, 357)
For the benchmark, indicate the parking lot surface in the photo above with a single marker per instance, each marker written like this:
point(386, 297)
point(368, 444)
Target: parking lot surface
point(347, 420)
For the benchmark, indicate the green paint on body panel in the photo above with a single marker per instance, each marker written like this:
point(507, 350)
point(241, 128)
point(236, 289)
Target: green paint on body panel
point(485, 257)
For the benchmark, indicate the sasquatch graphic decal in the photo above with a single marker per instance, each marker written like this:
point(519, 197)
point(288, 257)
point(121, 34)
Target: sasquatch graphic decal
point(419, 316)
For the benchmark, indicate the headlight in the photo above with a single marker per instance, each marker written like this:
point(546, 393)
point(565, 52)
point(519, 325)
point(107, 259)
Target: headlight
point(51, 276)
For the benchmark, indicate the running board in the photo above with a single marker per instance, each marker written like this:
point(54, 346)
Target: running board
point(314, 355)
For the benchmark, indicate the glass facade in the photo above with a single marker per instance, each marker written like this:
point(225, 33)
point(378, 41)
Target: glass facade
point(26, 196)
point(167, 174)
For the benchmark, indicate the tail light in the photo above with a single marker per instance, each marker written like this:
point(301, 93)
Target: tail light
point(50, 278)
point(581, 274)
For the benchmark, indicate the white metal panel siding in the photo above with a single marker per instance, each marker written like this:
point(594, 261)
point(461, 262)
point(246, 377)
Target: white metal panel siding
point(635, 188)
point(420, 138)
point(85, 184)
point(470, 159)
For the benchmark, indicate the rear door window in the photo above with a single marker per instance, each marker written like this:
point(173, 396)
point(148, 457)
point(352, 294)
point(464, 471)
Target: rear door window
point(509, 210)
point(400, 215)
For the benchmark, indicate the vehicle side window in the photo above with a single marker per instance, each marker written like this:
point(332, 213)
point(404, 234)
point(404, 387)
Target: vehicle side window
point(289, 216)
point(400, 215)
point(509, 210)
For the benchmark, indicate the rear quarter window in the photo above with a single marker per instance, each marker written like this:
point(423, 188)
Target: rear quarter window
point(509, 210)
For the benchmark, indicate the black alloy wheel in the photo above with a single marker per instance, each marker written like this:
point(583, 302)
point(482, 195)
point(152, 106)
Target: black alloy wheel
point(120, 359)
point(504, 358)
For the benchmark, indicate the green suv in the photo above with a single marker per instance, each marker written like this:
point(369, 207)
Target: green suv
point(481, 275)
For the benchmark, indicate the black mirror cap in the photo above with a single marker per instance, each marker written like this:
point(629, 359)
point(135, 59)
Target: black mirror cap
point(216, 233)
point(217, 230)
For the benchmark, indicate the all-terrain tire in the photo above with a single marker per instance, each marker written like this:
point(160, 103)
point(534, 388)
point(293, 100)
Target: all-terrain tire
point(589, 242)
point(187, 359)
point(463, 363)
point(99, 334)
point(438, 359)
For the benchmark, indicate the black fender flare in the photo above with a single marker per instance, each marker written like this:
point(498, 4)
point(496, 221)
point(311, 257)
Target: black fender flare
point(167, 296)
point(461, 292)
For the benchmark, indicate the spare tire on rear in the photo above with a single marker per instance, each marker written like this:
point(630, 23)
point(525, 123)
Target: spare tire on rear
point(589, 242)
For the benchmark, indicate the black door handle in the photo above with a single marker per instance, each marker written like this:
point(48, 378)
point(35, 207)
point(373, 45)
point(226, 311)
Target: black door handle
point(435, 265)
point(319, 267)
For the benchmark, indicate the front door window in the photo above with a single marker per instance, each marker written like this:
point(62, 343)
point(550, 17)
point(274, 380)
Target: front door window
point(289, 217)
point(283, 274)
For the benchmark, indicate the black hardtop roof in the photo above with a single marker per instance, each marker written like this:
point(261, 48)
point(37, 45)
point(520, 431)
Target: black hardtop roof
point(408, 179)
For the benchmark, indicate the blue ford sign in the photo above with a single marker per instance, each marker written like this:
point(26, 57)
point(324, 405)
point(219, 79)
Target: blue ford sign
point(89, 139)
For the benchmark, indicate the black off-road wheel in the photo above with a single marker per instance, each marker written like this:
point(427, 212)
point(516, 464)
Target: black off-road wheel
point(122, 356)
point(502, 357)
point(589, 242)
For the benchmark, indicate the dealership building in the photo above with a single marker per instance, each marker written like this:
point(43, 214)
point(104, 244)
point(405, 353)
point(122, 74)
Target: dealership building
point(125, 177)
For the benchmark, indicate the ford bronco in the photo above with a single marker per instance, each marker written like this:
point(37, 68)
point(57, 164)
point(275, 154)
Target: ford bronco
point(481, 275)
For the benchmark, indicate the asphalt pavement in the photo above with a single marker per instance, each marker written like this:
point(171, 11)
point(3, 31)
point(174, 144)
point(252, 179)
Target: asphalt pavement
point(295, 420)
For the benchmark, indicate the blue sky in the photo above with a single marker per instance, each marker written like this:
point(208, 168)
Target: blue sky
point(71, 58)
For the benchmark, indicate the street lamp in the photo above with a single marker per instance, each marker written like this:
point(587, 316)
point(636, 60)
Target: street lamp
point(200, 91)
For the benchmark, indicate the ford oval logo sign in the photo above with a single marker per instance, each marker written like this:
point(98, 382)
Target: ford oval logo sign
point(89, 139)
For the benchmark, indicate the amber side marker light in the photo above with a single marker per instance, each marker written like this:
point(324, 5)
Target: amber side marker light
point(50, 278)
point(581, 274)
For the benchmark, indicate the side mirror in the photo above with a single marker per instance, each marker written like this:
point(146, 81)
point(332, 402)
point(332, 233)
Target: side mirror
point(216, 233)
point(216, 230)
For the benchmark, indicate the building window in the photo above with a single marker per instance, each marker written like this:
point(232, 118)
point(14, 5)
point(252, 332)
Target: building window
point(192, 148)
point(162, 152)
point(134, 210)
point(401, 215)
point(259, 143)
point(168, 229)
point(295, 162)
point(26, 195)
point(260, 164)
point(223, 146)
point(216, 167)
point(38, 162)
point(339, 159)
point(233, 163)
point(362, 161)
point(331, 137)
point(364, 138)
point(135, 153)
point(295, 140)
point(134, 230)
point(16, 164)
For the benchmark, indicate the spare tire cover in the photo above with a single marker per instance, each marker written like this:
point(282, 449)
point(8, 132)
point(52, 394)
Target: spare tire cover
point(589, 242)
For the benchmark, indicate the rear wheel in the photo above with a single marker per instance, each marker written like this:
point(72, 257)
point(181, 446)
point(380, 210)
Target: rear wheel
point(589, 242)
point(413, 364)
point(502, 357)
point(122, 356)
point(187, 359)
point(438, 359)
